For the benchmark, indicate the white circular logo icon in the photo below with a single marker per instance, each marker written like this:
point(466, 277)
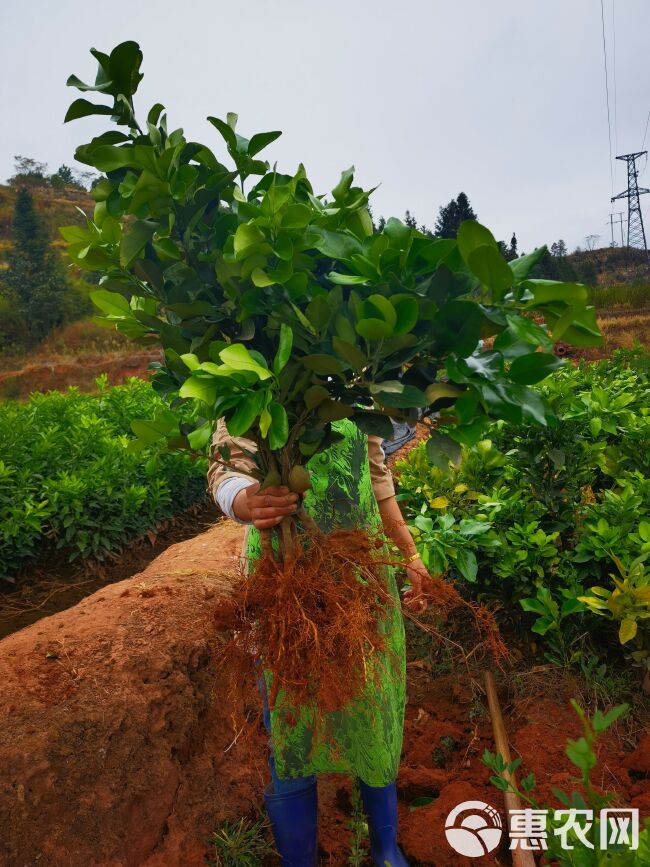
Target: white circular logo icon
point(473, 828)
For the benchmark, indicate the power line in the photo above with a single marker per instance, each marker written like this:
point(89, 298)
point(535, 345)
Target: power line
point(609, 122)
point(646, 131)
point(614, 75)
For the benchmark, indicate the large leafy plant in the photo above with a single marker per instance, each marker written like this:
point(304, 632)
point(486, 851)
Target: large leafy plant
point(283, 311)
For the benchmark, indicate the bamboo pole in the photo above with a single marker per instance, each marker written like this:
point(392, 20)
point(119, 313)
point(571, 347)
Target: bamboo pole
point(520, 857)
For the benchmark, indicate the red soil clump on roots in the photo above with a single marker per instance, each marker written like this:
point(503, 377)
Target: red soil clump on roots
point(314, 620)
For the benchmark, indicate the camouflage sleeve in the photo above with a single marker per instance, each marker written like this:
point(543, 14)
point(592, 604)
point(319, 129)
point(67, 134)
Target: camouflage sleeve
point(240, 464)
point(382, 480)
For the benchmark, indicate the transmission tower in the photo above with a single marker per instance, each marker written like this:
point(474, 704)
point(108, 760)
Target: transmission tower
point(635, 230)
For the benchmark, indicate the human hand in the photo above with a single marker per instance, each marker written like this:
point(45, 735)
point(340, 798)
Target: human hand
point(265, 509)
point(415, 599)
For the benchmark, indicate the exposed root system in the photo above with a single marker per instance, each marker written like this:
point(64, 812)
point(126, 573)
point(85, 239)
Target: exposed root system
point(313, 621)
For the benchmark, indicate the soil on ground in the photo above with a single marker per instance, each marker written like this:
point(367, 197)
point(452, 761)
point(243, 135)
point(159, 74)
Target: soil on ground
point(222, 777)
point(54, 584)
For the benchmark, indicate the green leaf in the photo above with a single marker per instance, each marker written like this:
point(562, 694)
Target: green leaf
point(571, 606)
point(393, 393)
point(318, 312)
point(407, 310)
point(152, 430)
point(247, 237)
point(123, 67)
point(284, 349)
point(385, 308)
point(542, 625)
point(296, 216)
point(108, 158)
point(500, 783)
point(374, 424)
point(534, 605)
point(442, 450)
point(334, 410)
point(465, 560)
point(238, 357)
point(343, 186)
point(226, 131)
point(200, 388)
point(336, 245)
point(471, 236)
point(492, 270)
point(346, 279)
point(279, 430)
point(261, 140)
point(580, 753)
point(84, 108)
point(350, 353)
point(545, 291)
point(532, 368)
point(602, 721)
point(595, 425)
point(110, 302)
point(522, 267)
point(247, 410)
point(200, 437)
point(315, 395)
point(374, 329)
point(627, 630)
point(133, 242)
point(324, 365)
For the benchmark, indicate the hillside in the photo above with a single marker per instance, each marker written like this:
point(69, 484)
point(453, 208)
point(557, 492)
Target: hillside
point(57, 206)
point(615, 265)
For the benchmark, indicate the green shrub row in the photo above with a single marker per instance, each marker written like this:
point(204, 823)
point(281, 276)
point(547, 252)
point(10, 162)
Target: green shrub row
point(67, 480)
point(536, 517)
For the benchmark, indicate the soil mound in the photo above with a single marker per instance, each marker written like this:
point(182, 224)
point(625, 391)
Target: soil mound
point(112, 734)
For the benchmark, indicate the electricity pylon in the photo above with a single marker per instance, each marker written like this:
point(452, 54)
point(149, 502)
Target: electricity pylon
point(635, 229)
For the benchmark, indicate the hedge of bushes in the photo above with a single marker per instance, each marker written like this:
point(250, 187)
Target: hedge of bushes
point(68, 482)
point(552, 521)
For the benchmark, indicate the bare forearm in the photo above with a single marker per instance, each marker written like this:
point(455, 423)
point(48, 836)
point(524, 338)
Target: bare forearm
point(395, 526)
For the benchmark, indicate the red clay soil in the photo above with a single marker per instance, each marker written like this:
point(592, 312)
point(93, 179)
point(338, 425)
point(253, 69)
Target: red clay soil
point(116, 748)
point(52, 583)
point(82, 372)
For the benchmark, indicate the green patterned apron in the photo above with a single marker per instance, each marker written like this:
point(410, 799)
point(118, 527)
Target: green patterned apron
point(365, 738)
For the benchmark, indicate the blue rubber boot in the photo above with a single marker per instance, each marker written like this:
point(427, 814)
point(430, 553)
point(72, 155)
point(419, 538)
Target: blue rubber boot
point(294, 819)
point(380, 805)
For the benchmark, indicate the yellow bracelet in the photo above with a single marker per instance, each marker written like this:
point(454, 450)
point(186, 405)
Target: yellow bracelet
point(413, 557)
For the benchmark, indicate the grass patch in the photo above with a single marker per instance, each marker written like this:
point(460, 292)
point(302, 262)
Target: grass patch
point(241, 844)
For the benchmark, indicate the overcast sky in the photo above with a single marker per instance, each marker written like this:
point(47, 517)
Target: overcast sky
point(504, 99)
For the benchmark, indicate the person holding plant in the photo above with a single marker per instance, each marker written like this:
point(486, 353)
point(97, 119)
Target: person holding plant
point(350, 487)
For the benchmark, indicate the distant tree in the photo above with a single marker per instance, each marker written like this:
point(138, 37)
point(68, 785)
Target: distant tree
point(452, 215)
point(34, 278)
point(558, 248)
point(64, 177)
point(28, 171)
point(508, 252)
point(587, 272)
point(381, 222)
point(410, 220)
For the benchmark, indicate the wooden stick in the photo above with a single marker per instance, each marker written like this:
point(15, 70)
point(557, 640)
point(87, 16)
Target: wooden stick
point(520, 857)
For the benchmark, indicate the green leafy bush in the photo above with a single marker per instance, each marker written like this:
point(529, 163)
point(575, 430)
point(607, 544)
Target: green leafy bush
point(559, 504)
point(68, 480)
point(567, 846)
